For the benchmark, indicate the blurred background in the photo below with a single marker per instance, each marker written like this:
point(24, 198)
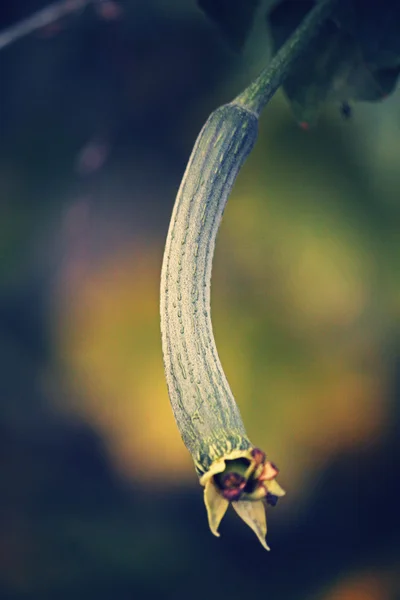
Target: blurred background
point(99, 498)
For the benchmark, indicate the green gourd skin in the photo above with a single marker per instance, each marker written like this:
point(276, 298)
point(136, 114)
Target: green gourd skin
point(231, 470)
point(204, 408)
point(229, 467)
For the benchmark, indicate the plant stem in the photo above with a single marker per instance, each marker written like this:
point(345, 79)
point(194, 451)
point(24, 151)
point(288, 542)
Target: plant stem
point(261, 90)
point(40, 19)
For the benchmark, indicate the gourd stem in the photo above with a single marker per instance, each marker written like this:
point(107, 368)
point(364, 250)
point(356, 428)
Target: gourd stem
point(261, 90)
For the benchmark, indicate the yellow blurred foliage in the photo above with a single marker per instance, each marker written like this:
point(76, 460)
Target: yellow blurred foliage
point(109, 344)
point(380, 585)
point(318, 382)
point(292, 300)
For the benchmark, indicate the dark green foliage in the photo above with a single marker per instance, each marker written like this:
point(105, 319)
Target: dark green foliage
point(355, 56)
point(375, 24)
point(233, 17)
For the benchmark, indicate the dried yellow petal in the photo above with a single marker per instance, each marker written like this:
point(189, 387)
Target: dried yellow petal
point(253, 514)
point(216, 506)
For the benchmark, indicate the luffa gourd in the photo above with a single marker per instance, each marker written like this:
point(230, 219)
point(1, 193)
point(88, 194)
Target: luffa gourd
point(230, 468)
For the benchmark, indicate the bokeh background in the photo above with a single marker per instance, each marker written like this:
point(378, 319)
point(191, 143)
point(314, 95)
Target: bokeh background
point(99, 498)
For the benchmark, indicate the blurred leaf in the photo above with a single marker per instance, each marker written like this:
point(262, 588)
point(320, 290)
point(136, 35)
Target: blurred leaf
point(376, 27)
point(355, 56)
point(233, 17)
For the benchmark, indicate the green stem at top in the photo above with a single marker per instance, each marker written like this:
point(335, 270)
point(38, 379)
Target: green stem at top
point(261, 90)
